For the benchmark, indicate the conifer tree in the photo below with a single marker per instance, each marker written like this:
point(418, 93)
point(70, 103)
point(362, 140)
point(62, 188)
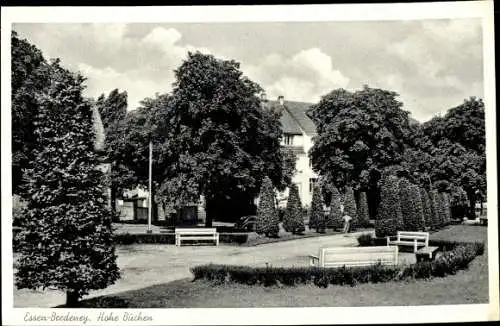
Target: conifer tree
point(267, 215)
point(389, 214)
point(436, 210)
point(334, 220)
point(350, 207)
point(426, 204)
point(293, 220)
point(66, 238)
point(418, 208)
point(363, 214)
point(446, 210)
point(317, 215)
point(407, 206)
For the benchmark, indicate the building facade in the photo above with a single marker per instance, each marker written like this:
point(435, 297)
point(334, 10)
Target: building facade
point(298, 132)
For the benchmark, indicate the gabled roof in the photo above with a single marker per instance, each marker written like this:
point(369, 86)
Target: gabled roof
point(294, 119)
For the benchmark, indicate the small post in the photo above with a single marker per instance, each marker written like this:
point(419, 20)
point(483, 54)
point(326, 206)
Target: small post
point(150, 188)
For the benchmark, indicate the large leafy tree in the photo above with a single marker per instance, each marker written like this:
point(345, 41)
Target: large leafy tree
point(217, 139)
point(358, 133)
point(113, 110)
point(30, 77)
point(66, 238)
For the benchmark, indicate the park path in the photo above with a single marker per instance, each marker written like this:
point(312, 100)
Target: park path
point(146, 265)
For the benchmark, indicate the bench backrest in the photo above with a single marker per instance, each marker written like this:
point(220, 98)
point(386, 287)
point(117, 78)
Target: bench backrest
point(196, 231)
point(419, 236)
point(358, 256)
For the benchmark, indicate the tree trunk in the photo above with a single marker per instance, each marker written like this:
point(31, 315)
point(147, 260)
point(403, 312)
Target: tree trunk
point(71, 299)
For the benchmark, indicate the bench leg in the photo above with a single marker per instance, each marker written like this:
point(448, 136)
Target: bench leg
point(415, 246)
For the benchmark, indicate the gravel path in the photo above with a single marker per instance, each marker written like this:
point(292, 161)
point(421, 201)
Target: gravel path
point(145, 265)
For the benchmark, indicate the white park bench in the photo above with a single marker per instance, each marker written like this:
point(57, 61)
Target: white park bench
point(413, 239)
point(355, 256)
point(196, 234)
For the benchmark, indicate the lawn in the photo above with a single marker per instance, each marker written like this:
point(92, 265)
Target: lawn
point(466, 287)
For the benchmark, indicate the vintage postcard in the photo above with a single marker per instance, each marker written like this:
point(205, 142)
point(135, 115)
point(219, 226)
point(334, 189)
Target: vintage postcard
point(281, 164)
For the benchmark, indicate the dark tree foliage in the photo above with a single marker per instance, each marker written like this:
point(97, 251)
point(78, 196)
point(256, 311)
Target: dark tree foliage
point(459, 203)
point(293, 220)
point(66, 238)
point(334, 220)
point(426, 205)
point(358, 133)
point(267, 215)
point(316, 215)
point(364, 217)
point(113, 111)
point(350, 207)
point(437, 221)
point(30, 77)
point(418, 208)
point(389, 213)
point(217, 138)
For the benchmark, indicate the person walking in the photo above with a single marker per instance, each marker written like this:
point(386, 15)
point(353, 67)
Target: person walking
point(347, 223)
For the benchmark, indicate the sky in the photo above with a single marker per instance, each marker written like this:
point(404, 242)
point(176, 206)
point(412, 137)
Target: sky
point(432, 64)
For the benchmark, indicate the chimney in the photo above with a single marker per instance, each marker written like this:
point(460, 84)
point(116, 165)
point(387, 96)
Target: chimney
point(281, 99)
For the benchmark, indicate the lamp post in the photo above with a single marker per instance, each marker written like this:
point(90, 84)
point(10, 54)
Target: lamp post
point(150, 201)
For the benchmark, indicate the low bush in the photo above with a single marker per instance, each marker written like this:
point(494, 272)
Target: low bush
point(368, 240)
point(448, 263)
point(169, 238)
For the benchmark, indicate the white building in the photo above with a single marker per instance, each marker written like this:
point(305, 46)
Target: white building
point(298, 131)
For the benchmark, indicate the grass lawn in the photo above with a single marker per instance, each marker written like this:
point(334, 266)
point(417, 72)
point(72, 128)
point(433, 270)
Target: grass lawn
point(466, 287)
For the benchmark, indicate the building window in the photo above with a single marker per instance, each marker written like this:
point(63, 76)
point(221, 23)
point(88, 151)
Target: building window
point(312, 182)
point(288, 139)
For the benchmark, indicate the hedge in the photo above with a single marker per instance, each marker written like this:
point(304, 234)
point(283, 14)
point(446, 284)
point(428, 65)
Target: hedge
point(426, 204)
point(169, 238)
point(418, 209)
point(317, 218)
point(446, 264)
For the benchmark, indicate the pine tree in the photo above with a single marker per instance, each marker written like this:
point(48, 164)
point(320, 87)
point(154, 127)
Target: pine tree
point(418, 208)
point(436, 210)
point(267, 216)
point(350, 207)
point(363, 214)
point(389, 213)
point(426, 204)
point(66, 239)
point(293, 220)
point(316, 213)
point(334, 220)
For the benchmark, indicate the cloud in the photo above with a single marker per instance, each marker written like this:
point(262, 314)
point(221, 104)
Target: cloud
point(304, 76)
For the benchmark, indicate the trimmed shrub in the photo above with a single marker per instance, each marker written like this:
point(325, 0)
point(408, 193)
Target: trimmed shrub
point(436, 210)
point(363, 214)
point(447, 264)
point(293, 220)
point(267, 221)
point(407, 206)
point(446, 208)
point(426, 205)
point(418, 209)
point(317, 216)
point(389, 213)
point(334, 220)
point(169, 238)
point(368, 240)
point(350, 207)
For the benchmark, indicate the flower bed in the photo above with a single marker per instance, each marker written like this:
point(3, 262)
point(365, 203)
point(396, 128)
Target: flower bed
point(446, 264)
